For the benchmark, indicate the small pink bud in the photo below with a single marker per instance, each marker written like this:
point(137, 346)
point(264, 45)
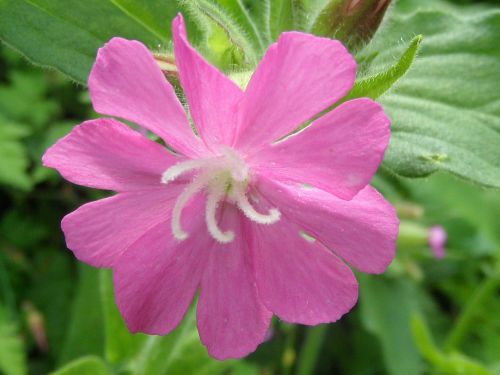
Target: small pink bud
point(437, 240)
point(36, 324)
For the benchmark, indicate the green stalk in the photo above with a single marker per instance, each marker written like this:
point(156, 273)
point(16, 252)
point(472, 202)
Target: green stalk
point(466, 320)
point(311, 349)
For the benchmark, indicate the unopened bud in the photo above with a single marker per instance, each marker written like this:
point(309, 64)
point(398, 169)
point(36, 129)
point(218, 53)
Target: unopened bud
point(437, 240)
point(352, 21)
point(36, 324)
point(413, 235)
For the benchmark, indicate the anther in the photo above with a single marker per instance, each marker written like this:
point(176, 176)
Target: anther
point(225, 174)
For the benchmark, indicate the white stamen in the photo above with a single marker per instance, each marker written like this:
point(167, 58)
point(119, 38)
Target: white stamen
point(214, 198)
point(180, 168)
point(225, 174)
point(242, 201)
point(194, 187)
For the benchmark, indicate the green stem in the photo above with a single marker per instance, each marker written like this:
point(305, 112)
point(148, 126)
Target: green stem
point(288, 356)
point(311, 349)
point(466, 320)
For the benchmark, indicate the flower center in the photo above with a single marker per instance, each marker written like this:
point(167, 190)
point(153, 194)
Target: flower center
point(223, 177)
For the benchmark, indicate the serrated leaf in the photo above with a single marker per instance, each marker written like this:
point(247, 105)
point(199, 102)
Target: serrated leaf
point(445, 112)
point(12, 355)
point(89, 365)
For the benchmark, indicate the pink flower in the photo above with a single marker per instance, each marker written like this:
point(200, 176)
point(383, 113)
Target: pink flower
point(259, 227)
point(437, 240)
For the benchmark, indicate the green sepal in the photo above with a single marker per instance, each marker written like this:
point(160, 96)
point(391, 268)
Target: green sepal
point(376, 85)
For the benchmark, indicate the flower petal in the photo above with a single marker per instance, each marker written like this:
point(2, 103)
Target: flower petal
point(212, 96)
point(299, 76)
point(126, 82)
point(99, 232)
point(338, 153)
point(157, 277)
point(107, 154)
point(362, 231)
point(299, 280)
point(232, 321)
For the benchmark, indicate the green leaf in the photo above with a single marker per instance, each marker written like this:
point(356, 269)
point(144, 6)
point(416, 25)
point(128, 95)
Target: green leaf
point(386, 309)
point(12, 355)
point(65, 34)
point(281, 17)
point(85, 333)
point(454, 363)
point(51, 286)
point(314, 9)
point(246, 18)
point(120, 343)
point(14, 159)
point(24, 98)
point(49, 137)
point(260, 11)
point(446, 112)
point(481, 207)
point(217, 18)
point(89, 365)
point(310, 351)
point(374, 86)
point(153, 15)
point(178, 353)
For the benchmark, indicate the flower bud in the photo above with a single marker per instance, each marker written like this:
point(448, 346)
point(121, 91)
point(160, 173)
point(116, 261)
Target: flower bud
point(36, 324)
point(437, 240)
point(352, 21)
point(413, 235)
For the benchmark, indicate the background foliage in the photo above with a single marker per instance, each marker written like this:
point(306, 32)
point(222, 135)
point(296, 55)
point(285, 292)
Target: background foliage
point(424, 316)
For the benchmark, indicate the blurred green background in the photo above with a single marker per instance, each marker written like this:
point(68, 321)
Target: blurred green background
point(423, 316)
